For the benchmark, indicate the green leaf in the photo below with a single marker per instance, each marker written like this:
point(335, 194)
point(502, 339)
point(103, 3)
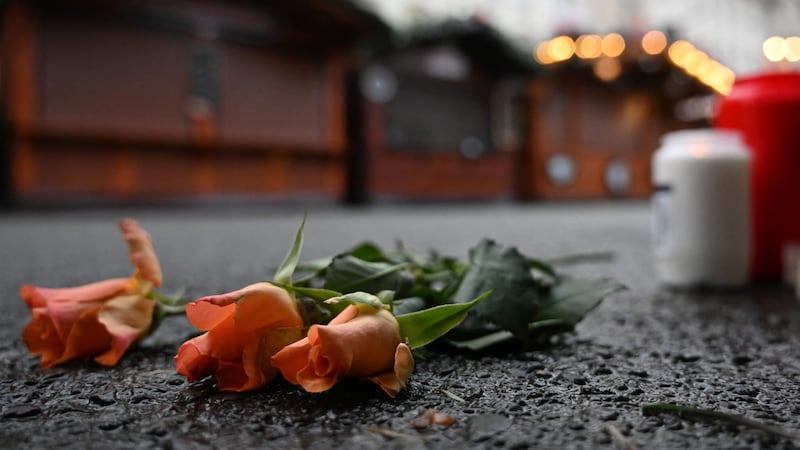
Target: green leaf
point(402, 254)
point(498, 337)
point(315, 265)
point(386, 297)
point(565, 305)
point(163, 310)
point(515, 299)
point(313, 311)
point(368, 251)
point(176, 300)
point(543, 272)
point(348, 274)
point(338, 304)
point(314, 293)
point(541, 266)
point(408, 305)
point(423, 327)
point(577, 258)
point(166, 306)
point(483, 342)
point(571, 299)
point(284, 273)
point(311, 302)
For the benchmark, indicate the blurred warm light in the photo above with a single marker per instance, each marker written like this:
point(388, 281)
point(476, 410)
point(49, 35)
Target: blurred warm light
point(682, 54)
point(654, 42)
point(613, 45)
point(720, 78)
point(777, 48)
point(541, 55)
point(792, 48)
point(773, 48)
point(588, 46)
point(702, 67)
point(679, 51)
point(607, 69)
point(694, 61)
point(698, 152)
point(561, 48)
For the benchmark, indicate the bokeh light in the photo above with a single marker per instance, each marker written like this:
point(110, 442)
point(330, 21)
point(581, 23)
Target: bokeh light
point(720, 78)
point(607, 69)
point(701, 66)
point(694, 62)
point(561, 48)
point(679, 51)
point(779, 48)
point(792, 48)
point(588, 46)
point(541, 55)
point(773, 48)
point(613, 45)
point(654, 42)
point(606, 53)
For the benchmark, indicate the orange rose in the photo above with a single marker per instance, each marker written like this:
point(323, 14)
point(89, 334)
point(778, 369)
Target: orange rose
point(244, 329)
point(361, 342)
point(102, 318)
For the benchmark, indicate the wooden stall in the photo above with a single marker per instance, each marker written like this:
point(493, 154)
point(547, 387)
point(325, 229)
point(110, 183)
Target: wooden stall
point(437, 116)
point(595, 123)
point(152, 100)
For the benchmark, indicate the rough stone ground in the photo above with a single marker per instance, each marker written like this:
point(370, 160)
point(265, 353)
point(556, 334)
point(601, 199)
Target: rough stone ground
point(734, 351)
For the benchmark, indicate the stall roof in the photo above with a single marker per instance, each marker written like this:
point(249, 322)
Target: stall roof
point(301, 24)
point(477, 38)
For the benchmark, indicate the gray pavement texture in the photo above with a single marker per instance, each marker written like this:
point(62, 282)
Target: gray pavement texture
point(732, 351)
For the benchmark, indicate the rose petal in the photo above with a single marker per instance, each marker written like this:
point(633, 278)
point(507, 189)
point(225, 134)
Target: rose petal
point(204, 314)
point(364, 346)
point(320, 374)
point(221, 299)
point(293, 358)
point(264, 305)
point(259, 350)
point(393, 382)
point(192, 360)
point(225, 343)
point(403, 363)
point(348, 314)
point(65, 305)
point(230, 376)
point(141, 252)
point(254, 369)
point(86, 338)
point(127, 319)
point(245, 329)
point(42, 338)
point(331, 349)
point(359, 342)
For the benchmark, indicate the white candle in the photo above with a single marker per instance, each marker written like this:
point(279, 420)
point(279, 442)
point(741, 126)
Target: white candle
point(701, 210)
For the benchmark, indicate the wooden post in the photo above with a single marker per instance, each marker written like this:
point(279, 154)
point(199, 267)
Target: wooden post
point(123, 183)
point(19, 92)
point(334, 101)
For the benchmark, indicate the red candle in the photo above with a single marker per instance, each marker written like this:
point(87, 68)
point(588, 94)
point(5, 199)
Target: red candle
point(766, 110)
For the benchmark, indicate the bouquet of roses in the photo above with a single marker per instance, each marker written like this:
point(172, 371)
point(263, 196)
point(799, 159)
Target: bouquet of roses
point(360, 314)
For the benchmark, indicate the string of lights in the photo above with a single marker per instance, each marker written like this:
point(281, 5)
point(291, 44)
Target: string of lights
point(605, 52)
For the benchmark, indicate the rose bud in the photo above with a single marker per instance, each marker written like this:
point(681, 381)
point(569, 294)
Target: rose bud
point(244, 329)
point(360, 342)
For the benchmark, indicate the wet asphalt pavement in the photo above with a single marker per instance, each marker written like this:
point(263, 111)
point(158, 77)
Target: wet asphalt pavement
point(735, 352)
